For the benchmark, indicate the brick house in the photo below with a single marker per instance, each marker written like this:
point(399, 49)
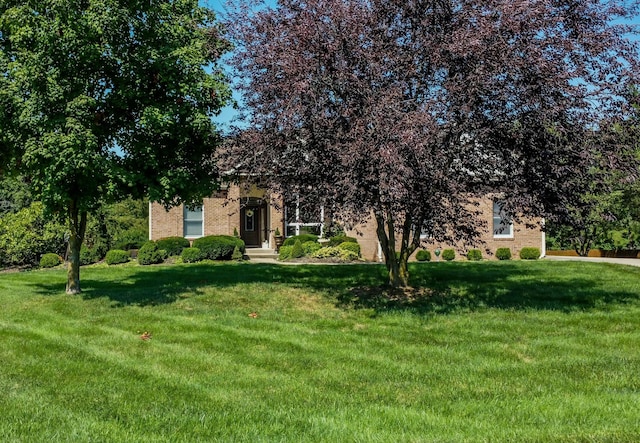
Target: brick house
point(255, 217)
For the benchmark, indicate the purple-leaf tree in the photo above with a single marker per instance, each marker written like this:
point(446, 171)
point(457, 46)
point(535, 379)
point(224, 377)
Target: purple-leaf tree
point(406, 111)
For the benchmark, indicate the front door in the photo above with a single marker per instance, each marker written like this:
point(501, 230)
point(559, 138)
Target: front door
point(251, 225)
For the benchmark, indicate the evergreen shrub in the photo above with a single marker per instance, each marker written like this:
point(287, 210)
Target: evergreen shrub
point(448, 254)
point(503, 254)
point(116, 256)
point(302, 237)
point(50, 260)
point(474, 255)
point(191, 255)
point(350, 246)
point(285, 252)
point(237, 255)
point(329, 251)
point(173, 245)
point(89, 256)
point(297, 251)
point(423, 255)
point(347, 254)
point(218, 247)
point(310, 247)
point(150, 254)
point(529, 253)
point(339, 239)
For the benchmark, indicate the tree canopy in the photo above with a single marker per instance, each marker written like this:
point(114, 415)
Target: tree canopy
point(406, 111)
point(101, 99)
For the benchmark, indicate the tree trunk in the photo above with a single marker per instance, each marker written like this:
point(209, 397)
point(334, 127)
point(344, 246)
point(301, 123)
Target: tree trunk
point(397, 263)
point(77, 227)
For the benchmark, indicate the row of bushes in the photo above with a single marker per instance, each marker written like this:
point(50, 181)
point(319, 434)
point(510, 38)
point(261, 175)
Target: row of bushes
point(340, 248)
point(527, 253)
point(214, 247)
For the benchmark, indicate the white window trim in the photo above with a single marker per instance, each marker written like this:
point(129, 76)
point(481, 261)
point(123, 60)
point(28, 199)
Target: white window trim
point(297, 225)
point(509, 234)
point(184, 220)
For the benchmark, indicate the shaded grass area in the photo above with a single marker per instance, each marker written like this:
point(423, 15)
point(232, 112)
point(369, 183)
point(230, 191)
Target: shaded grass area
point(516, 351)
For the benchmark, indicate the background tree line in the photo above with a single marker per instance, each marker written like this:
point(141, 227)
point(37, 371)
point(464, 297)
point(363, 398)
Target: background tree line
point(27, 230)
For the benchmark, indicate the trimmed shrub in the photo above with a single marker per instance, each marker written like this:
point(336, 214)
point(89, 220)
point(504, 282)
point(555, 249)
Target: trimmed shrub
point(302, 237)
point(173, 245)
point(310, 247)
point(149, 254)
point(347, 254)
point(237, 255)
point(503, 254)
point(339, 239)
point(297, 251)
point(89, 256)
point(116, 256)
point(218, 247)
point(50, 260)
point(191, 255)
point(329, 251)
point(474, 255)
point(285, 252)
point(529, 253)
point(350, 246)
point(448, 254)
point(423, 255)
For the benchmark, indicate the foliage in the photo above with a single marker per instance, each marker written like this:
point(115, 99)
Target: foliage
point(27, 234)
point(132, 238)
point(335, 252)
point(404, 113)
point(89, 256)
point(503, 254)
point(350, 246)
point(285, 252)
point(297, 251)
point(529, 253)
point(173, 245)
point(474, 255)
point(102, 100)
point(310, 247)
point(237, 255)
point(448, 254)
point(14, 194)
point(150, 254)
point(423, 255)
point(191, 255)
point(338, 239)
point(49, 260)
point(117, 256)
point(218, 247)
point(303, 238)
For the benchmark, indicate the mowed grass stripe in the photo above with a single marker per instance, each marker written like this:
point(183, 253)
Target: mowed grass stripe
point(494, 354)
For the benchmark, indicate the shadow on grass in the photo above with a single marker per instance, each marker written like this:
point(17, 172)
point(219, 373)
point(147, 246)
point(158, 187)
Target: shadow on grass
point(440, 287)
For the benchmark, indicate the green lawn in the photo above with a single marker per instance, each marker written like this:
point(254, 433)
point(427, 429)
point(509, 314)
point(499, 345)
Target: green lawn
point(491, 352)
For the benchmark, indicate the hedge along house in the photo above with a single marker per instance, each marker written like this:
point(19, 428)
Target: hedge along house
point(255, 216)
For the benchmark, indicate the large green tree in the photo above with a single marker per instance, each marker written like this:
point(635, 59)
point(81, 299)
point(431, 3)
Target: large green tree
point(102, 99)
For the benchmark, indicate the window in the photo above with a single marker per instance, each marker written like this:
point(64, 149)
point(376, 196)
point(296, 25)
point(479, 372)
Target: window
point(193, 222)
point(502, 225)
point(249, 220)
point(303, 218)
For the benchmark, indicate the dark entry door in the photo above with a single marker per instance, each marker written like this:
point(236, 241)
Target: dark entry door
point(251, 225)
